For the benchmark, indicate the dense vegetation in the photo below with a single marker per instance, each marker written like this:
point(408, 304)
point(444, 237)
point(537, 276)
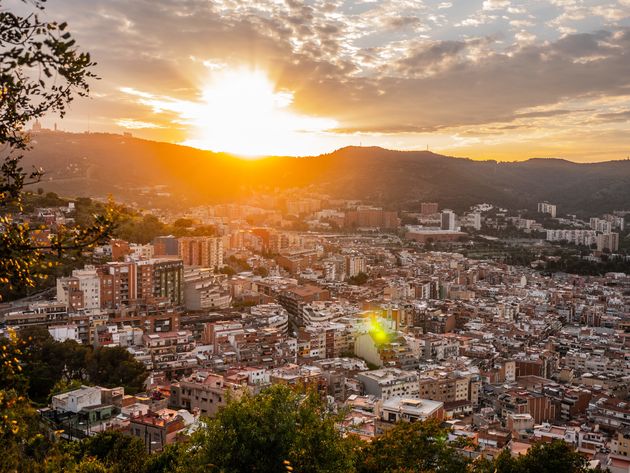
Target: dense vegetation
point(52, 366)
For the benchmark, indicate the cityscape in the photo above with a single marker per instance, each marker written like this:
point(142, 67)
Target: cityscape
point(227, 281)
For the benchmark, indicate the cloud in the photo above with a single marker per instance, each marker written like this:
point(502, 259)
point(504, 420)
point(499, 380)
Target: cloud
point(490, 5)
point(384, 66)
point(623, 116)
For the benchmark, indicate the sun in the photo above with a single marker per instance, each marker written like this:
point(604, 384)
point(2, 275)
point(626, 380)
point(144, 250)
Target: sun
point(241, 112)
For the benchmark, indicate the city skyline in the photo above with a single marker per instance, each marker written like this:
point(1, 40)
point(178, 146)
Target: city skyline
point(494, 79)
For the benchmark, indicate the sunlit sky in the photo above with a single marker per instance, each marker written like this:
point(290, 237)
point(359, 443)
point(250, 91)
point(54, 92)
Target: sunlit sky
point(500, 79)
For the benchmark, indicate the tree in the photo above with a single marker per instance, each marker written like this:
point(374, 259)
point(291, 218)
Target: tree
point(261, 271)
point(118, 452)
point(555, 457)
point(115, 366)
point(227, 270)
point(15, 411)
point(259, 433)
point(41, 71)
point(411, 447)
point(168, 460)
point(50, 365)
point(183, 223)
point(359, 280)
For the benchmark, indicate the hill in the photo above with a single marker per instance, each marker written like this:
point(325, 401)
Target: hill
point(101, 164)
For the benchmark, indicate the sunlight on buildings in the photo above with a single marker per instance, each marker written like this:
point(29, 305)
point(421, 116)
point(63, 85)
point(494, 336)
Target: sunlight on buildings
point(377, 331)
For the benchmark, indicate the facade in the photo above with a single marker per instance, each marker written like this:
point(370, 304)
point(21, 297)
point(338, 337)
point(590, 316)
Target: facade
point(157, 429)
point(168, 280)
point(205, 252)
point(165, 246)
point(620, 444)
point(203, 290)
point(448, 220)
point(204, 392)
point(428, 208)
point(355, 265)
point(425, 235)
point(372, 217)
point(608, 241)
point(547, 208)
point(388, 383)
point(407, 409)
point(449, 389)
point(82, 290)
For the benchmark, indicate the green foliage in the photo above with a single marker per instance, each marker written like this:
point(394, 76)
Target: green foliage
point(183, 223)
point(261, 271)
point(358, 280)
point(23, 446)
point(238, 265)
point(115, 366)
point(118, 452)
point(41, 70)
point(227, 270)
point(51, 365)
point(138, 229)
point(554, 457)
point(89, 465)
point(411, 447)
point(168, 460)
point(259, 433)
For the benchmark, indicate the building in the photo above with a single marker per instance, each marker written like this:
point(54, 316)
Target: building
point(600, 225)
point(168, 279)
point(206, 252)
point(120, 249)
point(82, 290)
point(471, 220)
point(408, 409)
point(448, 220)
point(170, 350)
point(428, 208)
point(86, 396)
point(620, 443)
point(547, 208)
point(577, 237)
point(608, 241)
point(204, 392)
point(158, 429)
point(296, 260)
point(61, 333)
point(388, 383)
point(426, 235)
point(354, 265)
point(165, 246)
point(293, 299)
point(141, 251)
point(203, 290)
point(118, 284)
point(449, 389)
point(372, 217)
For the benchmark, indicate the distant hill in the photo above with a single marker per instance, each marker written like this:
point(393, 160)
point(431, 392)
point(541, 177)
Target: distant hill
point(101, 164)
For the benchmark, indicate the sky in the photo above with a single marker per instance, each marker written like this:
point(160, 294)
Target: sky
point(486, 79)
